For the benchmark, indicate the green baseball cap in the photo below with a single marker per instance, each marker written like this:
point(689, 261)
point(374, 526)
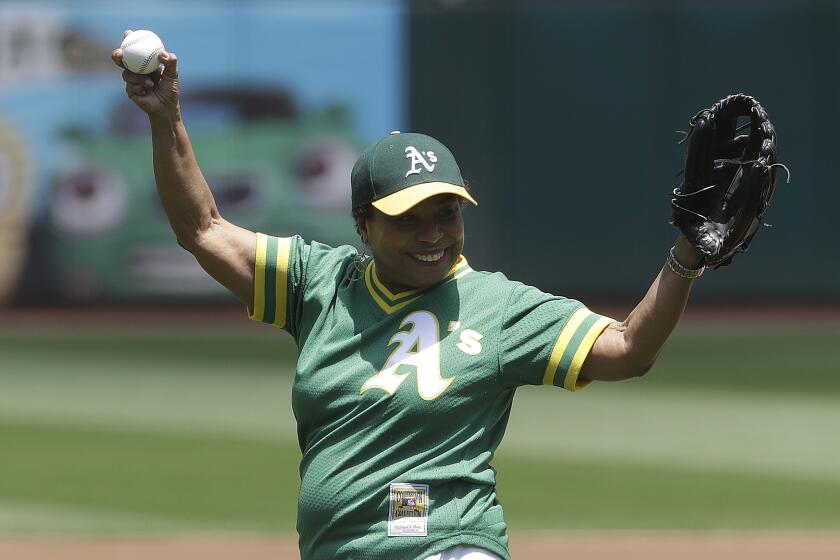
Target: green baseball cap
point(404, 169)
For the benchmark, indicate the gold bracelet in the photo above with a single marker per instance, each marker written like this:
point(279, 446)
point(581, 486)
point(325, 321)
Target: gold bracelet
point(680, 270)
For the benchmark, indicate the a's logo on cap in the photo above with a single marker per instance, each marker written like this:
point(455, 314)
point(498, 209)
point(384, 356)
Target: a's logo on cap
point(416, 158)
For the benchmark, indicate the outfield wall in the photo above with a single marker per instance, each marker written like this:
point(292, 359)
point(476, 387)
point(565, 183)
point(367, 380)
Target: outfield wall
point(563, 117)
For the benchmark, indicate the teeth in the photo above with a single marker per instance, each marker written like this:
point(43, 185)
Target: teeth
point(429, 258)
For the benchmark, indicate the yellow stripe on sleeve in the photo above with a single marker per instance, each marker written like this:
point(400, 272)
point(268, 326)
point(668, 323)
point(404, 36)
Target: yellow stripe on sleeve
point(571, 381)
point(284, 248)
point(562, 342)
point(259, 279)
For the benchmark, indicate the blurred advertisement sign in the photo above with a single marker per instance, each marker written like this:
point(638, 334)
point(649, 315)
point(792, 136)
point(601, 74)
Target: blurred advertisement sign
point(36, 43)
point(279, 99)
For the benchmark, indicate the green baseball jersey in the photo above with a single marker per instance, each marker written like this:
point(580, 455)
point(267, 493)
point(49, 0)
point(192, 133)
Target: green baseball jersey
point(402, 399)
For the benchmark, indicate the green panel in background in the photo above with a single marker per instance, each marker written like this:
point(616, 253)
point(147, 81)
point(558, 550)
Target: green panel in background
point(461, 91)
point(576, 105)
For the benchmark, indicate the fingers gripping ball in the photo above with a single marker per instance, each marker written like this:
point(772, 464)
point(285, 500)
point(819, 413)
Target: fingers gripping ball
point(140, 51)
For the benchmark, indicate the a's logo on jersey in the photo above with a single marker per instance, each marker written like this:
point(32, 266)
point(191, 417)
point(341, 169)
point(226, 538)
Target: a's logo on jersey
point(419, 348)
point(470, 342)
point(416, 158)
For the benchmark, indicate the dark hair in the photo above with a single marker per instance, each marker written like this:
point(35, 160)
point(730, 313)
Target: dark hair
point(361, 211)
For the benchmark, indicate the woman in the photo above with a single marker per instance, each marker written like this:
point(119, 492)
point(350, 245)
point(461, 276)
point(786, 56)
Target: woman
point(409, 359)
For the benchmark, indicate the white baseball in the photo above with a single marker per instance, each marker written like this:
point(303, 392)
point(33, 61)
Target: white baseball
point(140, 51)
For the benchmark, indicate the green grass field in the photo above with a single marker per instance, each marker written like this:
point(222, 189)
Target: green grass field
point(146, 428)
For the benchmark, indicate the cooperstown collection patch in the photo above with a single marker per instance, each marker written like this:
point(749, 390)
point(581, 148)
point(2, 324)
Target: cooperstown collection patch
point(408, 510)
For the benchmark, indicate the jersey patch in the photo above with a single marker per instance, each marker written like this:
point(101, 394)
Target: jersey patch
point(408, 510)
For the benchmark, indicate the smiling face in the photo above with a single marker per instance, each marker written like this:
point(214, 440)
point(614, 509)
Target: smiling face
point(415, 249)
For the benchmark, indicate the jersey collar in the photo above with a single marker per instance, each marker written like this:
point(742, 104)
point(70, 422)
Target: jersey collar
point(390, 302)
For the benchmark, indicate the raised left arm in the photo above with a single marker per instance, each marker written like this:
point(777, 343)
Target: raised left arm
point(629, 349)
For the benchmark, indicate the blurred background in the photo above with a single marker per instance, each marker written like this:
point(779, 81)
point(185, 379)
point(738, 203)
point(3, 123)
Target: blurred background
point(136, 398)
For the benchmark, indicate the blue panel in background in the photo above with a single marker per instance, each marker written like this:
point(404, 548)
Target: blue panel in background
point(336, 68)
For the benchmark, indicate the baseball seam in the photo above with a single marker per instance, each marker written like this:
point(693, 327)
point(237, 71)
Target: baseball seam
point(134, 40)
point(148, 59)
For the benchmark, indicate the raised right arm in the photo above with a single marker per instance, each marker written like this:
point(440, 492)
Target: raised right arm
point(224, 250)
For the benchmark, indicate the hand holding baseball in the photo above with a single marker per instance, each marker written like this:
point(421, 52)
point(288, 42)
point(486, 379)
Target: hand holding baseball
point(155, 92)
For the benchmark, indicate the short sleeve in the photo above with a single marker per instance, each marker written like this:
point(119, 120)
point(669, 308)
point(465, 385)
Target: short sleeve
point(274, 258)
point(288, 273)
point(545, 338)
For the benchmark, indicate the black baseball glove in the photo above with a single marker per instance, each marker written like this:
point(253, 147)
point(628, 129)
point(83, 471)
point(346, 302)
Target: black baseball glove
point(729, 178)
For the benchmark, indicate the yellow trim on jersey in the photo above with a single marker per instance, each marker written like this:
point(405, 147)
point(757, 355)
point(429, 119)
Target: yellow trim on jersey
point(562, 342)
point(271, 307)
point(461, 274)
point(459, 264)
point(387, 308)
point(571, 381)
point(259, 279)
point(385, 291)
point(390, 302)
point(284, 249)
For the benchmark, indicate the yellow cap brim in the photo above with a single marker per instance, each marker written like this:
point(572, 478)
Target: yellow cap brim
point(402, 201)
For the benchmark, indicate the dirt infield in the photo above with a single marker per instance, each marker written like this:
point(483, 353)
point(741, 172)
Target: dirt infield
point(590, 546)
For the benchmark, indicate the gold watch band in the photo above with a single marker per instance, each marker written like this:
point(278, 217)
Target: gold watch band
point(680, 270)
